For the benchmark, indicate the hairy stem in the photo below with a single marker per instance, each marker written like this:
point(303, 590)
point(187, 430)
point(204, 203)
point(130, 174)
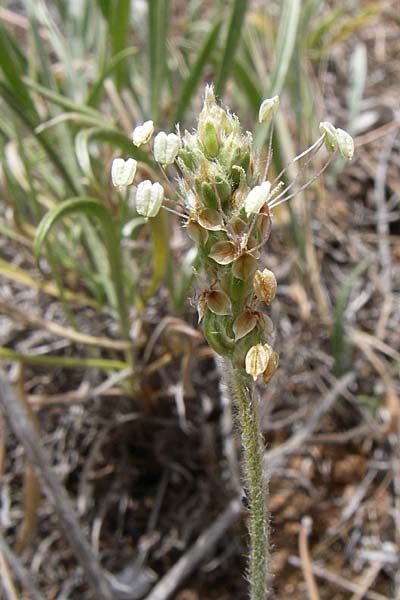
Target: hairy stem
point(256, 489)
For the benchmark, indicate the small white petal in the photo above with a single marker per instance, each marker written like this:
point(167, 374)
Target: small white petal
point(123, 171)
point(268, 109)
point(345, 143)
point(149, 197)
point(166, 147)
point(256, 198)
point(142, 133)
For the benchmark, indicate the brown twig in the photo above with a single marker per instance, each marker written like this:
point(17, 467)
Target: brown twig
point(272, 457)
point(338, 580)
point(189, 561)
point(305, 530)
point(54, 491)
point(21, 573)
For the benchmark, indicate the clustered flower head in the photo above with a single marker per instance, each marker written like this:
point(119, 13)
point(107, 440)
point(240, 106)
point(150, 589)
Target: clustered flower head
point(225, 201)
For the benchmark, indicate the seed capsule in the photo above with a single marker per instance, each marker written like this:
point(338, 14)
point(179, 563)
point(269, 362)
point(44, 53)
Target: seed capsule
point(265, 284)
point(149, 197)
point(142, 133)
point(123, 171)
point(166, 147)
point(271, 368)
point(257, 359)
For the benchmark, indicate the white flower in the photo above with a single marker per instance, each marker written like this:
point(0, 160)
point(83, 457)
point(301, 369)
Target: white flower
point(166, 147)
point(149, 197)
point(345, 143)
point(337, 139)
point(268, 109)
point(142, 133)
point(256, 198)
point(123, 171)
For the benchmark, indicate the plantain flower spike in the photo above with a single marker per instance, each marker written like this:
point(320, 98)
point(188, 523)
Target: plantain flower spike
point(226, 203)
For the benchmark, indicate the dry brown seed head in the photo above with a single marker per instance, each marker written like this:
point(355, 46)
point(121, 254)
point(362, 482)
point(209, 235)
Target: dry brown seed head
point(271, 367)
point(265, 284)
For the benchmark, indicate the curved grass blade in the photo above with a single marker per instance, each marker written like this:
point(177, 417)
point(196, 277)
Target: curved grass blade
point(90, 207)
point(30, 121)
point(232, 42)
point(114, 63)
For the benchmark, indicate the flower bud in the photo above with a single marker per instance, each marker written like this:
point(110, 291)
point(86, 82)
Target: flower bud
point(264, 284)
point(142, 133)
point(149, 197)
point(257, 359)
point(345, 143)
point(268, 109)
point(210, 138)
point(329, 131)
point(123, 171)
point(166, 147)
point(256, 198)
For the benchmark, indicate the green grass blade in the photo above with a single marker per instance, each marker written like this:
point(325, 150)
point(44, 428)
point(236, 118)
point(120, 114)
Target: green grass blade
point(232, 42)
point(67, 362)
point(114, 63)
point(246, 85)
point(119, 31)
point(158, 21)
point(12, 67)
point(62, 101)
point(81, 205)
point(339, 339)
point(12, 100)
point(285, 45)
point(87, 206)
point(192, 81)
